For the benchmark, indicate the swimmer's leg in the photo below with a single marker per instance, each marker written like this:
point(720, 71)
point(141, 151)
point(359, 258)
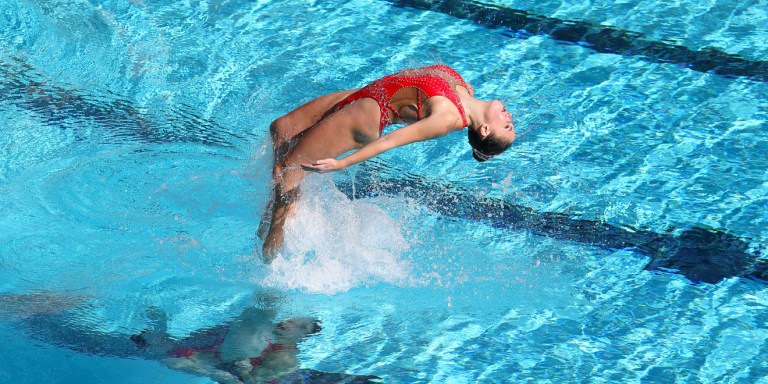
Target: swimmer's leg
point(329, 138)
point(287, 130)
point(158, 319)
point(266, 219)
point(247, 334)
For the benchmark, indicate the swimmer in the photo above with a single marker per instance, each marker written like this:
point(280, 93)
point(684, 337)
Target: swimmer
point(434, 101)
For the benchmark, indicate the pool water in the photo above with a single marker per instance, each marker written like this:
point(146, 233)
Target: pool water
point(134, 169)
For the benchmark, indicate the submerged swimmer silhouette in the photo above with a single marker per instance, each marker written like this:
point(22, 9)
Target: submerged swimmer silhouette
point(251, 348)
point(434, 101)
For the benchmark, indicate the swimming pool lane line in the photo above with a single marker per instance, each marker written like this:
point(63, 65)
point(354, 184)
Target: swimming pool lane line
point(700, 254)
point(599, 38)
point(29, 89)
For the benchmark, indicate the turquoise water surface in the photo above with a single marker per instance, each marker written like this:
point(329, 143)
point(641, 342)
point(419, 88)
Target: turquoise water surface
point(620, 239)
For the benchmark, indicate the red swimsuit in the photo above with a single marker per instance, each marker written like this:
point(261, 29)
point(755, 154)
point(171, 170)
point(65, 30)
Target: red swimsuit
point(428, 80)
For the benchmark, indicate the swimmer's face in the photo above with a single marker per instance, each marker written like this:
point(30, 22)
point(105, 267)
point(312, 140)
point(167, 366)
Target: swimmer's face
point(500, 122)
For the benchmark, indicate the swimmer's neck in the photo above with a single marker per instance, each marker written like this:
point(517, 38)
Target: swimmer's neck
point(473, 108)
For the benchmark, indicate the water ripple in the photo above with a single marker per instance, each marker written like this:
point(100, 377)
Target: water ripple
point(139, 186)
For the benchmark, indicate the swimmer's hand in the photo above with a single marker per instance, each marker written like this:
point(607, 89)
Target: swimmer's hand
point(323, 166)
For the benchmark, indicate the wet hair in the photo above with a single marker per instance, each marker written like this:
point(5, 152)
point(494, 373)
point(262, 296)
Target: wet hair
point(485, 148)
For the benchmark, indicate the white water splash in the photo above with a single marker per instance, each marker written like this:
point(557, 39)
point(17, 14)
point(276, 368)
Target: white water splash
point(333, 244)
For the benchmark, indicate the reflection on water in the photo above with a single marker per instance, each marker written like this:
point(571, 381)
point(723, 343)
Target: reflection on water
point(251, 347)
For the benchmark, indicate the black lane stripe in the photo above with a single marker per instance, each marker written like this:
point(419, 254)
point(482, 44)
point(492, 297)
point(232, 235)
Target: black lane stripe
point(600, 38)
point(699, 254)
point(121, 118)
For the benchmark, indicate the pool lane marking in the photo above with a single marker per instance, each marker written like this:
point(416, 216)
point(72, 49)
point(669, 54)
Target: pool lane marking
point(29, 89)
point(599, 38)
point(700, 254)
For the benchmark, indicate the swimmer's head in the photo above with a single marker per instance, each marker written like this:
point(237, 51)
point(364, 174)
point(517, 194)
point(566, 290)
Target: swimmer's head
point(494, 134)
point(297, 328)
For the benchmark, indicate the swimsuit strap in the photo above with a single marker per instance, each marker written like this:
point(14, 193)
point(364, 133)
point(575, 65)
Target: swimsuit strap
point(418, 104)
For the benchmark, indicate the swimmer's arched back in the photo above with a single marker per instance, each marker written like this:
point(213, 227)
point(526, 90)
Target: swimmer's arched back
point(433, 101)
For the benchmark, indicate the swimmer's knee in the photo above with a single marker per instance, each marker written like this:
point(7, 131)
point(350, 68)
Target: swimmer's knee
point(277, 171)
point(277, 129)
point(274, 128)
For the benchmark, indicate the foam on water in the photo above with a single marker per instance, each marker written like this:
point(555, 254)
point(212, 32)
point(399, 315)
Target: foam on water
point(333, 244)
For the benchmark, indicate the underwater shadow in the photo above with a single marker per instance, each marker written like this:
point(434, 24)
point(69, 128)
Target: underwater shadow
point(700, 254)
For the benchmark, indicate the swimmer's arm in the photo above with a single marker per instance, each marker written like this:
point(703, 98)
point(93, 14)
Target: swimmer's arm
point(431, 127)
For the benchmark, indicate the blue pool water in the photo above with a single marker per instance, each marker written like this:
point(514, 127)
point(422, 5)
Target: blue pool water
point(134, 168)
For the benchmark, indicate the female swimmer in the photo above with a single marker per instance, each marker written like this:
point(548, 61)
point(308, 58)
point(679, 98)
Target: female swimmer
point(433, 101)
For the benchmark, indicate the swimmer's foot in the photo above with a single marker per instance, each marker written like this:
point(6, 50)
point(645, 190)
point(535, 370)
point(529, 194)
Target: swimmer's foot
point(269, 249)
point(267, 255)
